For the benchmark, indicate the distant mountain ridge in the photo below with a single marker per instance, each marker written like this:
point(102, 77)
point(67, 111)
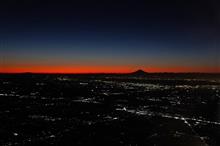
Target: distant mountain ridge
point(139, 73)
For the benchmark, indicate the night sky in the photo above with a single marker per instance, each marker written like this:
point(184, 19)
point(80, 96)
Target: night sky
point(109, 36)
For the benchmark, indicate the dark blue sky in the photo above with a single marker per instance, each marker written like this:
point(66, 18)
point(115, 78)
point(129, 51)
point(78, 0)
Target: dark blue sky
point(135, 33)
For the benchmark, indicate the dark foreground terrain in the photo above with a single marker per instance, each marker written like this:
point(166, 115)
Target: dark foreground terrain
point(154, 110)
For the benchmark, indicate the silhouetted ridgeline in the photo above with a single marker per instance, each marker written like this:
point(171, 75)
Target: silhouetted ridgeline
point(138, 73)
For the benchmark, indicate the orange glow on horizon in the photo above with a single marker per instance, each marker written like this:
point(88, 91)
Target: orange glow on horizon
point(103, 69)
point(67, 69)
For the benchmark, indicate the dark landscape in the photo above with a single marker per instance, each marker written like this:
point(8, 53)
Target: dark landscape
point(69, 73)
point(135, 109)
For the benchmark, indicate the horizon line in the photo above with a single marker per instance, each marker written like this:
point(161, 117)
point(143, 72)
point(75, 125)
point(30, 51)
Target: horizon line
point(107, 72)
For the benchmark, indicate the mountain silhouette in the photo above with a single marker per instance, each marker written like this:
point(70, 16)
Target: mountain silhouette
point(139, 73)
